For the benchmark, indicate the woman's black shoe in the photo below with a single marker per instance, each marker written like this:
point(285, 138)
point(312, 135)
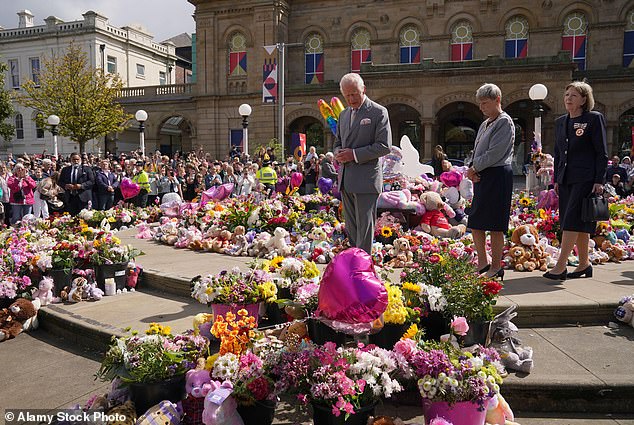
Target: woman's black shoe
point(484, 269)
point(587, 272)
point(561, 276)
point(498, 275)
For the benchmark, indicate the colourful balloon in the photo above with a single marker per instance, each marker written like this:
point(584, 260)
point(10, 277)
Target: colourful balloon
point(325, 109)
point(296, 179)
point(337, 106)
point(324, 184)
point(350, 291)
point(129, 189)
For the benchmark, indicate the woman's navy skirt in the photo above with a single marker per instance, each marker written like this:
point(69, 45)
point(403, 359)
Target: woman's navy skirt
point(491, 205)
point(570, 201)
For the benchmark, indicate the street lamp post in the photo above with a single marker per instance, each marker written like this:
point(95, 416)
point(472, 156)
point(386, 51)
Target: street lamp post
point(537, 93)
point(53, 121)
point(245, 111)
point(141, 117)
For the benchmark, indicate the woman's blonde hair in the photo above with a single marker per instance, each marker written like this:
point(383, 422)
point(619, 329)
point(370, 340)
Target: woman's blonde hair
point(584, 90)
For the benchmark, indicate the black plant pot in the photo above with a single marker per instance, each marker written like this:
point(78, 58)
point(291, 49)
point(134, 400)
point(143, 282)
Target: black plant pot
point(146, 395)
point(61, 278)
point(477, 334)
point(261, 413)
point(322, 415)
point(388, 336)
point(116, 271)
point(435, 325)
point(321, 333)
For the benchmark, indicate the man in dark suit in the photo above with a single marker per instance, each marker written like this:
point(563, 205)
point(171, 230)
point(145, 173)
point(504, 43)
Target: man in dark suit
point(363, 136)
point(106, 182)
point(77, 181)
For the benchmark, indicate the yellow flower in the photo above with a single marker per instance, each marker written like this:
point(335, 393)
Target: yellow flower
point(386, 231)
point(268, 290)
point(310, 269)
point(409, 286)
point(276, 262)
point(395, 312)
point(211, 360)
point(318, 221)
point(525, 202)
point(411, 332)
point(116, 240)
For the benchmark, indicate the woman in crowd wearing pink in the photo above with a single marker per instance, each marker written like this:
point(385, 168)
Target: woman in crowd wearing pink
point(21, 186)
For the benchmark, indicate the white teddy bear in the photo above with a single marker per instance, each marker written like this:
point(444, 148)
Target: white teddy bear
point(277, 243)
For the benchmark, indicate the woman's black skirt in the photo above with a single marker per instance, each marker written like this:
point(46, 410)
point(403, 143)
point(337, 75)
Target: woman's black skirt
point(570, 200)
point(491, 205)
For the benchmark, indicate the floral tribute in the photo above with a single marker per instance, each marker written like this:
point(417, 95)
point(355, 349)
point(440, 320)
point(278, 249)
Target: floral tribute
point(234, 331)
point(235, 287)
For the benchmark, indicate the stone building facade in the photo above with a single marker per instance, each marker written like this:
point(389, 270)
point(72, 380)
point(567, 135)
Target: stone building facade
point(423, 60)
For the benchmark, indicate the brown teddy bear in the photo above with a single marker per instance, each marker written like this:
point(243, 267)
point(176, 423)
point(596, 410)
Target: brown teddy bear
point(239, 243)
point(221, 242)
point(527, 237)
point(434, 221)
point(400, 253)
point(520, 260)
point(12, 319)
point(614, 251)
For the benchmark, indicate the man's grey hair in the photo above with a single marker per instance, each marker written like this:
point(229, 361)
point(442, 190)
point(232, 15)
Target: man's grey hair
point(330, 156)
point(351, 78)
point(488, 91)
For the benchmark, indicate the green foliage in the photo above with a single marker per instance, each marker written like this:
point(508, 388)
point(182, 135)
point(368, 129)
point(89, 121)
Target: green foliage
point(6, 108)
point(82, 97)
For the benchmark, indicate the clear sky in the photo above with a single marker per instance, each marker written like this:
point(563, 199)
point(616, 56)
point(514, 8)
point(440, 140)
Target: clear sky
point(162, 18)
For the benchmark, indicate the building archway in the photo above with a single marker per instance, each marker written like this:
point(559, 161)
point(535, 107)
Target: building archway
point(458, 124)
point(405, 121)
point(314, 131)
point(174, 134)
point(523, 113)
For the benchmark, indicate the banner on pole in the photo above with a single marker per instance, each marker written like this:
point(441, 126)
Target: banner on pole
point(298, 145)
point(236, 138)
point(269, 76)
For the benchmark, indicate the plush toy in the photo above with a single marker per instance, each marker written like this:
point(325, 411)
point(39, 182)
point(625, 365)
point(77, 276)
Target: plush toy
point(126, 412)
point(92, 292)
point(548, 200)
point(498, 411)
point(625, 311)
point(197, 385)
point(401, 254)
point(434, 220)
point(503, 338)
point(258, 247)
point(164, 413)
point(45, 291)
point(527, 237)
point(520, 260)
point(202, 324)
point(239, 243)
point(277, 243)
point(294, 334)
point(221, 412)
point(75, 293)
point(14, 318)
point(614, 251)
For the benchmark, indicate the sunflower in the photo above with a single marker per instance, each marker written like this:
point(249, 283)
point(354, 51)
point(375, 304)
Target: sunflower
point(525, 202)
point(411, 332)
point(386, 232)
point(411, 287)
point(276, 262)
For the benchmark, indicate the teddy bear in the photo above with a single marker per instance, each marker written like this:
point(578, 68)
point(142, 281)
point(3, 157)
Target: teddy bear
point(520, 260)
point(527, 237)
point(434, 221)
point(197, 385)
point(257, 248)
point(164, 413)
point(294, 334)
point(45, 291)
point(318, 237)
point(224, 413)
point(125, 412)
point(93, 292)
point(75, 293)
point(453, 197)
point(400, 253)
point(615, 252)
point(239, 243)
point(625, 311)
point(13, 319)
point(596, 256)
point(277, 243)
point(222, 242)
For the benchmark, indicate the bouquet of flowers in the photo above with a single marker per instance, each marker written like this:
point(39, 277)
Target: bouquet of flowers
point(341, 379)
point(107, 249)
point(63, 255)
point(234, 287)
point(154, 357)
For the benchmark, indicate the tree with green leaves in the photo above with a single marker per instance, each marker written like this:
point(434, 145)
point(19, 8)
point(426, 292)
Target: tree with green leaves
point(6, 108)
point(84, 98)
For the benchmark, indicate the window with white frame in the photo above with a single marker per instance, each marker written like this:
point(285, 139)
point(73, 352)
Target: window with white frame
point(112, 65)
point(14, 72)
point(35, 70)
point(162, 78)
point(140, 70)
point(19, 127)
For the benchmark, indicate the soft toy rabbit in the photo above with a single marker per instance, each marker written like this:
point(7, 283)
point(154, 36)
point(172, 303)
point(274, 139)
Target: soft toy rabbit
point(219, 410)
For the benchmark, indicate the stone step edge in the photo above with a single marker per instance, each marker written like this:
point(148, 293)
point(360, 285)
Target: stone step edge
point(529, 316)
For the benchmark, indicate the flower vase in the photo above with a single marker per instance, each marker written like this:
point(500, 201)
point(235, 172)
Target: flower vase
point(320, 333)
point(460, 413)
point(477, 334)
point(61, 278)
point(322, 415)
point(106, 271)
point(223, 309)
point(435, 325)
point(388, 336)
point(260, 413)
point(145, 395)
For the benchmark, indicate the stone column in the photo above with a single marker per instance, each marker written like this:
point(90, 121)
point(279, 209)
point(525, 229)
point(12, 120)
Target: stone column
point(612, 132)
point(429, 128)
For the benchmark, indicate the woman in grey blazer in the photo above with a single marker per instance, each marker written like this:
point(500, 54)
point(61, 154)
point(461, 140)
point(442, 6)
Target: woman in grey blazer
point(492, 176)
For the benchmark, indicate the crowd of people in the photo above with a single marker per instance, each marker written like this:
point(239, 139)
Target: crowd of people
point(40, 184)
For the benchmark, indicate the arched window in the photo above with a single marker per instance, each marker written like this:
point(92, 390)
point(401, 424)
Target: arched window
point(409, 42)
point(39, 130)
point(574, 37)
point(237, 55)
point(19, 126)
point(628, 41)
point(461, 41)
point(361, 52)
point(516, 43)
point(314, 57)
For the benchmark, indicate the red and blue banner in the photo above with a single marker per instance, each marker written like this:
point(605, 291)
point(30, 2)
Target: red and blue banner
point(516, 49)
point(298, 145)
point(269, 81)
point(410, 54)
point(237, 63)
point(314, 68)
point(461, 52)
point(576, 44)
point(360, 56)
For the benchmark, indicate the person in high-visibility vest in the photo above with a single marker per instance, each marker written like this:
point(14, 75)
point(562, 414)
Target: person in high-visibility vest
point(142, 179)
point(267, 176)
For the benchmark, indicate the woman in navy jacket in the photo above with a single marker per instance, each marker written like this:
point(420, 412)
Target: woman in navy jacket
point(581, 158)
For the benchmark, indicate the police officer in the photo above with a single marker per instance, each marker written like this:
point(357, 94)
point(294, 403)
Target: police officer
point(267, 176)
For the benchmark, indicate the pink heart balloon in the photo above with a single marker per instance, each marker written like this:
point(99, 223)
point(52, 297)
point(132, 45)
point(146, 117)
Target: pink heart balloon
point(350, 291)
point(296, 179)
point(129, 189)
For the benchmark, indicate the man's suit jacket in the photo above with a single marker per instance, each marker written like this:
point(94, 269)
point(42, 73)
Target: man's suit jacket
point(370, 137)
point(584, 157)
point(85, 177)
point(102, 181)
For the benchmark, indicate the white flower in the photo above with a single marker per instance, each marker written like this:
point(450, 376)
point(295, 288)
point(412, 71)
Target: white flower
point(225, 367)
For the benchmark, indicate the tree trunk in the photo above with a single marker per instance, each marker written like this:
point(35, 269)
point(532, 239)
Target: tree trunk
point(82, 147)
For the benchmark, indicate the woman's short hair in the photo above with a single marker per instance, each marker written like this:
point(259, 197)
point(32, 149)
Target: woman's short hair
point(584, 90)
point(488, 91)
point(17, 167)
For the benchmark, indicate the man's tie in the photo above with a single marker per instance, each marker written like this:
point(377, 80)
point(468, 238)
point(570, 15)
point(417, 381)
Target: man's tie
point(73, 178)
point(353, 115)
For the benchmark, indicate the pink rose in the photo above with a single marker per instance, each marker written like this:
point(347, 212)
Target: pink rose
point(440, 421)
point(459, 326)
point(405, 347)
